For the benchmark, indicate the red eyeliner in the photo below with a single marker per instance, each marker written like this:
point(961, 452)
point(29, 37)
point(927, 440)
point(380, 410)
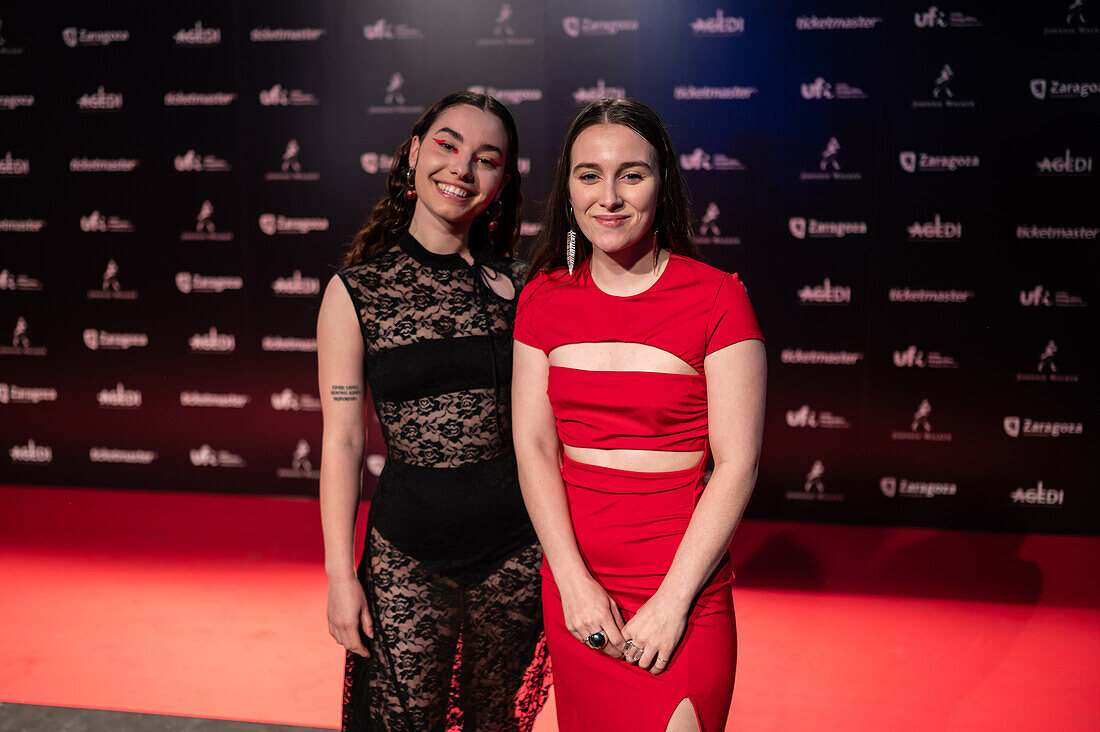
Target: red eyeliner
point(437, 141)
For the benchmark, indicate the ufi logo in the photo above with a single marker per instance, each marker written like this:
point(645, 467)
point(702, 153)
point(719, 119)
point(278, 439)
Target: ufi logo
point(1035, 297)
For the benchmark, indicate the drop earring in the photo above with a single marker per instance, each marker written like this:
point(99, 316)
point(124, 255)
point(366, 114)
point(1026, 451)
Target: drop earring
point(410, 184)
point(493, 223)
point(570, 245)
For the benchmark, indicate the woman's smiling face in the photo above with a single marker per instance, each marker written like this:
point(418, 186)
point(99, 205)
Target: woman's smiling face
point(614, 186)
point(459, 163)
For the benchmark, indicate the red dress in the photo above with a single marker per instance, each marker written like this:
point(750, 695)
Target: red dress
point(629, 524)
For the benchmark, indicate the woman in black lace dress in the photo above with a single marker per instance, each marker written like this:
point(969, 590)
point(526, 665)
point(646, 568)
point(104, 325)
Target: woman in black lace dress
point(442, 619)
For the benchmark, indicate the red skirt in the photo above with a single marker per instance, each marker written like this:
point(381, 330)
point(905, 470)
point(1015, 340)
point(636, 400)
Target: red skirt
point(628, 526)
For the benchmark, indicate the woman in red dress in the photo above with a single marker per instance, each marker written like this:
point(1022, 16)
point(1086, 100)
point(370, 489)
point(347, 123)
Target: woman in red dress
point(634, 362)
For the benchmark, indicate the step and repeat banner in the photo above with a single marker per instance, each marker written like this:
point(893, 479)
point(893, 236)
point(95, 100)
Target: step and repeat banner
point(909, 191)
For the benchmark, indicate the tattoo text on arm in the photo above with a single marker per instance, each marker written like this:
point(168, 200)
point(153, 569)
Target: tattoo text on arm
point(345, 392)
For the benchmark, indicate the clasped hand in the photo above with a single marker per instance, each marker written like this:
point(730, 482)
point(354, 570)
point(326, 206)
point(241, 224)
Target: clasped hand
point(653, 633)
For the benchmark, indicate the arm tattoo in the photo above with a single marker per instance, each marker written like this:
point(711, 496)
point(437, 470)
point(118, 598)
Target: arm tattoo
point(345, 392)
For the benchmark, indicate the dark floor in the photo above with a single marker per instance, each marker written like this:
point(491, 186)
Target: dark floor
point(31, 718)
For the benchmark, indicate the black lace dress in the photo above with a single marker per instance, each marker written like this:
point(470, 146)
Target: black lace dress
point(451, 565)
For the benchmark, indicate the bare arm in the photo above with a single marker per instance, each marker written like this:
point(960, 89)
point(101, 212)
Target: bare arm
point(736, 379)
point(340, 376)
point(537, 448)
point(586, 606)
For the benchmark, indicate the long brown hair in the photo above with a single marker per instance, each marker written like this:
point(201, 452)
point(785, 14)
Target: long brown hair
point(391, 216)
point(673, 219)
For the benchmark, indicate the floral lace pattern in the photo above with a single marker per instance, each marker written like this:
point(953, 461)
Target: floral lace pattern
point(433, 430)
point(462, 650)
point(403, 302)
point(444, 658)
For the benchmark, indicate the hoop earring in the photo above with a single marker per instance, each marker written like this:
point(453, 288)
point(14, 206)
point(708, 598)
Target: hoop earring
point(410, 184)
point(493, 223)
point(570, 244)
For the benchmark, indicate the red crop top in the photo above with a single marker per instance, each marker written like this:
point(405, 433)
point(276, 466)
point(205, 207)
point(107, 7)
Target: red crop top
point(691, 311)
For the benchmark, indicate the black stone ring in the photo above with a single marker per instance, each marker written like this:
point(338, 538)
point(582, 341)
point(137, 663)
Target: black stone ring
point(596, 641)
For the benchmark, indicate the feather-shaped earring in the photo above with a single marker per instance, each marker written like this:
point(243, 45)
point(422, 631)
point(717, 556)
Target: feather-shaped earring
point(570, 250)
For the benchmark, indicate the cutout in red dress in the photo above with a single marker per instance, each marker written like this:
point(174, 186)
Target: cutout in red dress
point(629, 524)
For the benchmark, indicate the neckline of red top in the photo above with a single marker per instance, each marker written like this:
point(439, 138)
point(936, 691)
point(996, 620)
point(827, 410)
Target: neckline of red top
point(587, 279)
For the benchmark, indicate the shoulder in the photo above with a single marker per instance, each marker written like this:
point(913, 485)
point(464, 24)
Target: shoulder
point(706, 275)
point(368, 273)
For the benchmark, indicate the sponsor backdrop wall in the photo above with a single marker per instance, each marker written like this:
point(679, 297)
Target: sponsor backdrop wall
point(909, 192)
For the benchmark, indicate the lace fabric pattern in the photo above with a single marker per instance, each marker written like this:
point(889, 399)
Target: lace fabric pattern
point(449, 444)
point(444, 657)
point(456, 604)
point(416, 313)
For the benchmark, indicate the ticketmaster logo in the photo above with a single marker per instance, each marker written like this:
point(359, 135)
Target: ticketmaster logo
point(288, 343)
point(820, 358)
point(116, 455)
point(905, 294)
point(103, 165)
point(691, 92)
point(1056, 232)
point(211, 399)
point(260, 35)
point(26, 226)
point(199, 99)
point(855, 22)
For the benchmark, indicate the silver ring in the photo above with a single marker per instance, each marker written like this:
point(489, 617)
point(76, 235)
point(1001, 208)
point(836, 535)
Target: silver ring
point(662, 660)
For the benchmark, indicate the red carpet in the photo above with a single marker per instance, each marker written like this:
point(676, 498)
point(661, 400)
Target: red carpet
point(213, 606)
